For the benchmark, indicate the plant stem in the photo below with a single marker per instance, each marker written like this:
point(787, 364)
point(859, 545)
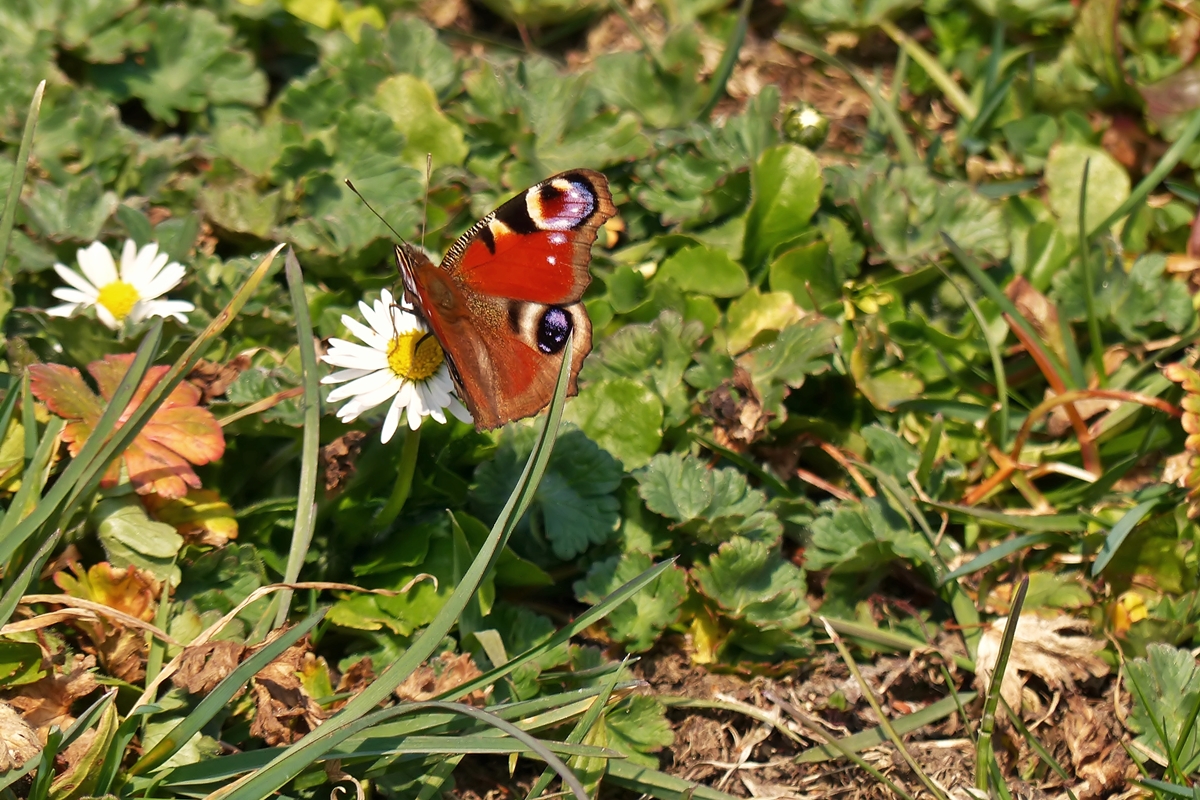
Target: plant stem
point(1089, 286)
point(404, 478)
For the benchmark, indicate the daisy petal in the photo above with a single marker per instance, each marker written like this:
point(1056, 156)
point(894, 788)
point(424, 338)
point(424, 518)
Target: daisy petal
point(368, 335)
point(76, 280)
point(129, 254)
point(107, 317)
point(65, 310)
point(97, 264)
point(163, 282)
point(73, 296)
point(392, 421)
point(343, 375)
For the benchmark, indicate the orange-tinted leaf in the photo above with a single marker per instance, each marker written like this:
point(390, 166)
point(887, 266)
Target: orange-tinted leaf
point(63, 391)
point(126, 589)
point(201, 517)
point(155, 468)
point(190, 431)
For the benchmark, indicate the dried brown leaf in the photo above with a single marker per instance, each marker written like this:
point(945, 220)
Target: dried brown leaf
point(441, 675)
point(338, 459)
point(48, 701)
point(203, 666)
point(213, 378)
point(284, 711)
point(18, 741)
point(1058, 651)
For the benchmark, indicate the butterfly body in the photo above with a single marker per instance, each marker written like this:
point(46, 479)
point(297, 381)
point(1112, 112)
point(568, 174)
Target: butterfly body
point(507, 295)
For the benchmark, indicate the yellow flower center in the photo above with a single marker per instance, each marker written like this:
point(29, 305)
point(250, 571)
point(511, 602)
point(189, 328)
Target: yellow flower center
point(414, 358)
point(119, 298)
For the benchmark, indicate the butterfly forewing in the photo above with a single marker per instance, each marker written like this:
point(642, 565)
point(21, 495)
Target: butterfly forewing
point(507, 295)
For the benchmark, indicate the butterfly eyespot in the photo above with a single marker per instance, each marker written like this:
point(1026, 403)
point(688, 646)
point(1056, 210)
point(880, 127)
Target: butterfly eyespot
point(553, 330)
point(560, 205)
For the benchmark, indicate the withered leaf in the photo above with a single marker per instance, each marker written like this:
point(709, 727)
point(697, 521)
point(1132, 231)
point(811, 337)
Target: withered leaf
point(284, 711)
point(48, 701)
point(213, 378)
point(203, 666)
point(440, 675)
point(338, 458)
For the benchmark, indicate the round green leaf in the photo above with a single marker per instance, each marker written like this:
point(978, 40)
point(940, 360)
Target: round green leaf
point(621, 415)
point(413, 106)
point(1108, 185)
point(703, 270)
point(787, 187)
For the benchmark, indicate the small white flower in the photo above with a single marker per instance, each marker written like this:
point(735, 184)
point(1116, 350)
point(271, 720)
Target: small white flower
point(132, 294)
point(399, 362)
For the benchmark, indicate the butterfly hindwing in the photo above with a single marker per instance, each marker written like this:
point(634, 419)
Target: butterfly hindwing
point(506, 296)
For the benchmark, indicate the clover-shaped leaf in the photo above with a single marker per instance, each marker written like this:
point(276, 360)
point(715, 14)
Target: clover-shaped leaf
point(160, 457)
point(639, 622)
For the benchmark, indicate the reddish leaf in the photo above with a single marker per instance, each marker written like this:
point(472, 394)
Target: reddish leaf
point(159, 460)
point(63, 391)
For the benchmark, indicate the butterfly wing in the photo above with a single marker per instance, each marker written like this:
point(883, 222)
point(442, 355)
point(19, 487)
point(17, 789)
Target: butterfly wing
point(507, 295)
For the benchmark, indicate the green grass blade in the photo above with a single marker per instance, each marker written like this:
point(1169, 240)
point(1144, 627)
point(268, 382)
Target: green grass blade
point(933, 68)
point(216, 700)
point(728, 60)
point(315, 744)
point(1002, 551)
point(1085, 259)
point(18, 178)
point(20, 584)
point(986, 516)
point(1118, 532)
point(646, 781)
point(983, 747)
point(1149, 183)
point(873, 737)
point(563, 635)
point(88, 718)
point(929, 451)
point(13, 533)
point(581, 729)
point(306, 517)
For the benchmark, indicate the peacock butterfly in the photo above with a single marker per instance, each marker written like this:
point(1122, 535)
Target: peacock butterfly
point(507, 295)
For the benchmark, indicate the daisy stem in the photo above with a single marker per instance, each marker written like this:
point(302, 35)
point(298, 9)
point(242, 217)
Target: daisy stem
point(404, 478)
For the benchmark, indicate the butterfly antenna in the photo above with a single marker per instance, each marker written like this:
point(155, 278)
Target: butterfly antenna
point(425, 207)
point(376, 213)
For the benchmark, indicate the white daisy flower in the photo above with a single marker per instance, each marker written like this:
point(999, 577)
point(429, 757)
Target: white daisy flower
point(132, 294)
point(399, 362)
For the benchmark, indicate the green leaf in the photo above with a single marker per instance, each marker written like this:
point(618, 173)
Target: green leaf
point(1165, 726)
point(221, 579)
point(574, 506)
point(192, 63)
point(798, 351)
point(890, 453)
point(908, 211)
point(1141, 303)
point(622, 415)
point(704, 270)
point(75, 212)
point(855, 537)
point(20, 663)
point(756, 312)
point(1108, 185)
point(639, 623)
point(787, 186)
point(240, 208)
point(655, 355)
point(413, 107)
point(130, 537)
point(638, 727)
point(711, 505)
point(759, 594)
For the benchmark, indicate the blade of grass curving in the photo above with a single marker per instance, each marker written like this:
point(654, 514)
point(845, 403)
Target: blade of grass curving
point(745, 464)
point(933, 68)
point(1085, 259)
point(895, 125)
point(654, 783)
point(993, 348)
point(434, 780)
point(1155, 177)
point(316, 743)
point(28, 418)
point(1022, 522)
point(929, 451)
point(892, 735)
point(13, 533)
point(892, 640)
point(217, 700)
point(13, 775)
point(37, 472)
point(1074, 362)
point(563, 635)
point(1037, 746)
point(306, 515)
point(1002, 551)
point(88, 717)
point(873, 737)
point(987, 724)
point(581, 729)
point(1117, 533)
point(45, 774)
point(20, 168)
point(728, 60)
point(20, 584)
